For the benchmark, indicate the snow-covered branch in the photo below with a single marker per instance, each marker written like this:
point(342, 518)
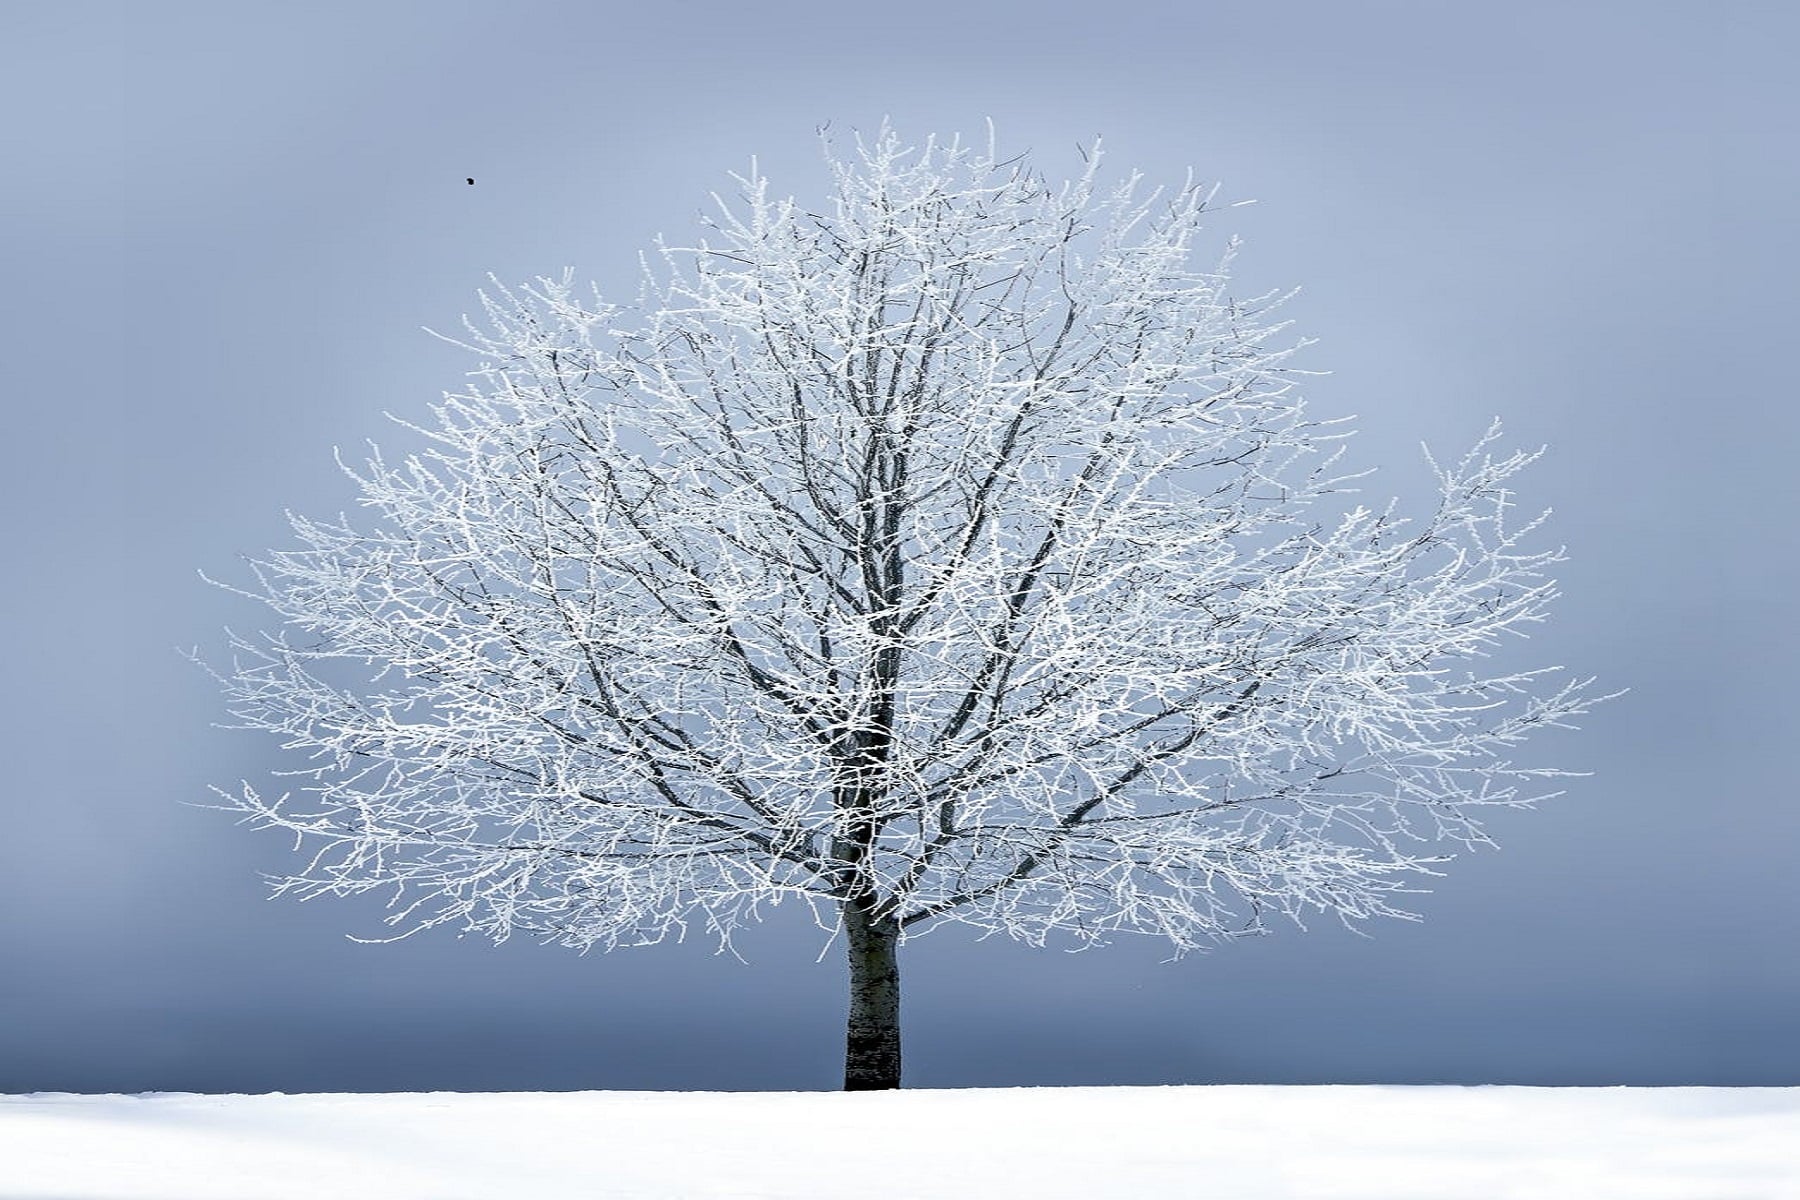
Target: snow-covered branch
point(958, 549)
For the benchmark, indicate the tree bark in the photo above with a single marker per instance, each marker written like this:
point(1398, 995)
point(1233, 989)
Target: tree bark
point(872, 1041)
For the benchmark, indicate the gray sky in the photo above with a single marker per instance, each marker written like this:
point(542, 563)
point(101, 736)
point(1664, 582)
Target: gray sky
point(229, 221)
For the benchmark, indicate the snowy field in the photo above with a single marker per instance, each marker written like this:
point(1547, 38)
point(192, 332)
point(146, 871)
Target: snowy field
point(1223, 1143)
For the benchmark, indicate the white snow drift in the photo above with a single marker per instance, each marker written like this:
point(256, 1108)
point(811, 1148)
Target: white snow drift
point(1227, 1143)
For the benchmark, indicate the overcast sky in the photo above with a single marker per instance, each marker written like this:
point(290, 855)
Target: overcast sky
point(228, 223)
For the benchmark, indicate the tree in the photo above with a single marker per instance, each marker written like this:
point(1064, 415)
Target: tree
point(955, 552)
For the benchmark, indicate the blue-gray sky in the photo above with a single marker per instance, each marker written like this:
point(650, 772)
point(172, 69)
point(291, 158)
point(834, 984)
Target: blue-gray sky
point(228, 222)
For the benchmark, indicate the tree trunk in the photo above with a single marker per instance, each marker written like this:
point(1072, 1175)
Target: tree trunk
point(872, 1042)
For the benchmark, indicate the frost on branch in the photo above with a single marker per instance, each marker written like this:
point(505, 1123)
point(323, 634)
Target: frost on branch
point(958, 550)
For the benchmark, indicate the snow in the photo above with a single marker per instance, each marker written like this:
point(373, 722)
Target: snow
point(1234, 1143)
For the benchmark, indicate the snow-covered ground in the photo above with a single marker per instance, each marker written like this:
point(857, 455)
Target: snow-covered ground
point(1223, 1143)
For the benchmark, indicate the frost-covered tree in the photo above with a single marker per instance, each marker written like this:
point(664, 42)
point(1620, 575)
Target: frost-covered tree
point(956, 551)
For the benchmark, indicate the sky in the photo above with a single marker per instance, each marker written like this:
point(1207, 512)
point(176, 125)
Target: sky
point(229, 222)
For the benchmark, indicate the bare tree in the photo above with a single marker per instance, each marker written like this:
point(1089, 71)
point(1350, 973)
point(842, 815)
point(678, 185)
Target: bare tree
point(956, 551)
